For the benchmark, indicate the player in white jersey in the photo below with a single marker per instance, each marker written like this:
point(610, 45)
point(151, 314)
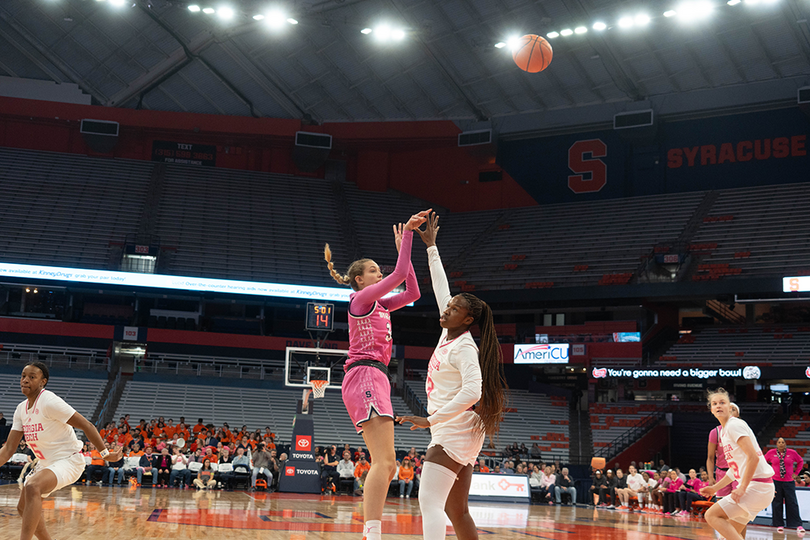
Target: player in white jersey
point(456, 374)
point(746, 465)
point(47, 423)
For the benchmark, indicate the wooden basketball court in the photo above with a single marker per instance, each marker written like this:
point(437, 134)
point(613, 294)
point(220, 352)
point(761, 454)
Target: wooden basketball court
point(113, 513)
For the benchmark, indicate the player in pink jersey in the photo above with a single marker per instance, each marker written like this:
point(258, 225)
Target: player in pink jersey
point(716, 460)
point(746, 465)
point(459, 375)
point(366, 389)
point(47, 422)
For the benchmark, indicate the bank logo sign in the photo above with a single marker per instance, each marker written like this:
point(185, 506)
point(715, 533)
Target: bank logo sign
point(541, 353)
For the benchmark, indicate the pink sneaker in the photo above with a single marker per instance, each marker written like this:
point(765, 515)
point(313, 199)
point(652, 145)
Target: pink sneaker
point(800, 530)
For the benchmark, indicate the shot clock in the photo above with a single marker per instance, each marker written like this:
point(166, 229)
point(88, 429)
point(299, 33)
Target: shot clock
point(320, 317)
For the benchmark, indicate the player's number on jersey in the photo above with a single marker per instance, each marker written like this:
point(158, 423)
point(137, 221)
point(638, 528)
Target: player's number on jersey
point(36, 452)
point(388, 331)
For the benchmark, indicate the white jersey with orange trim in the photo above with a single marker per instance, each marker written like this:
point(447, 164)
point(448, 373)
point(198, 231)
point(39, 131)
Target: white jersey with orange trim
point(45, 427)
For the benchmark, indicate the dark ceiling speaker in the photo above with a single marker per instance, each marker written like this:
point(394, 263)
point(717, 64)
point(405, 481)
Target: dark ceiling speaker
point(635, 125)
point(475, 138)
point(311, 150)
point(804, 100)
point(479, 144)
point(100, 135)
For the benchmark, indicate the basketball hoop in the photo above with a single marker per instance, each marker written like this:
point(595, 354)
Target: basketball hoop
point(318, 388)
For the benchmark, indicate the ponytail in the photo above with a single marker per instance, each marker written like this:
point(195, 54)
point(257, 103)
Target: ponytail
point(493, 391)
point(355, 269)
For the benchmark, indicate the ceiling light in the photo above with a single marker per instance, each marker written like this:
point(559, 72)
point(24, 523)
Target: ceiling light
point(580, 30)
point(117, 3)
point(566, 32)
point(599, 26)
point(194, 8)
point(225, 13)
point(275, 18)
point(258, 17)
point(500, 45)
point(642, 19)
point(209, 11)
point(733, 2)
point(366, 31)
point(695, 10)
point(513, 43)
point(552, 35)
point(398, 34)
point(382, 32)
point(27, 289)
point(670, 13)
point(292, 21)
point(626, 22)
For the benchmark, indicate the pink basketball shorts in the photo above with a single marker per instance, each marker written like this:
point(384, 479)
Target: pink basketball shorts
point(366, 390)
point(719, 474)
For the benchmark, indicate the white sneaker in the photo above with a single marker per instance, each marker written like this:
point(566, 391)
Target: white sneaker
point(800, 530)
point(402, 496)
point(780, 529)
point(407, 496)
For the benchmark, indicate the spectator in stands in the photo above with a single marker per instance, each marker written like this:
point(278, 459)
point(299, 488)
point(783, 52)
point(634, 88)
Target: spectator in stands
point(524, 452)
point(198, 427)
point(241, 467)
point(113, 468)
point(598, 488)
point(405, 478)
point(509, 467)
point(2, 420)
point(671, 501)
point(180, 471)
point(205, 477)
point(786, 465)
point(225, 458)
point(634, 483)
point(145, 465)
point(680, 474)
point(482, 465)
point(565, 484)
point(97, 464)
point(497, 470)
point(690, 492)
point(535, 451)
point(360, 469)
point(163, 464)
point(262, 464)
point(662, 466)
point(548, 482)
point(329, 475)
point(536, 477)
point(345, 466)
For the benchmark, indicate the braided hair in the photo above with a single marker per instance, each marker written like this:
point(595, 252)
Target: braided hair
point(493, 392)
point(355, 269)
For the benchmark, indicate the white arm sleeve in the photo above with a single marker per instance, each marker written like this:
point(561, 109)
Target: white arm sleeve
point(441, 288)
point(465, 359)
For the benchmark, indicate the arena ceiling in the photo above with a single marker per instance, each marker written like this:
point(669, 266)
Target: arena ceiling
point(156, 54)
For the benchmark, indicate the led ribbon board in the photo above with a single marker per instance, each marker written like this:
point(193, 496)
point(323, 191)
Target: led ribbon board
point(178, 283)
point(796, 284)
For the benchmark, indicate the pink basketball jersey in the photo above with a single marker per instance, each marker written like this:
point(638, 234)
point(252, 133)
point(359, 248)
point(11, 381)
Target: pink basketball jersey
point(370, 335)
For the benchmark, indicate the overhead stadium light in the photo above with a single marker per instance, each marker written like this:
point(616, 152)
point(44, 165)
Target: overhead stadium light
point(258, 17)
point(366, 31)
point(225, 13)
point(626, 22)
point(552, 35)
point(500, 45)
point(599, 26)
point(733, 2)
point(513, 43)
point(118, 3)
point(695, 10)
point(292, 21)
point(275, 18)
point(382, 32)
point(580, 30)
point(209, 11)
point(670, 13)
point(566, 32)
point(194, 8)
point(641, 19)
point(398, 34)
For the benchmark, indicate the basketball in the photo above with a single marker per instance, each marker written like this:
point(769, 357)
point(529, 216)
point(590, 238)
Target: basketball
point(532, 54)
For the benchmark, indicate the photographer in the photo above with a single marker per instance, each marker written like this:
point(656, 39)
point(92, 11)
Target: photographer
point(262, 464)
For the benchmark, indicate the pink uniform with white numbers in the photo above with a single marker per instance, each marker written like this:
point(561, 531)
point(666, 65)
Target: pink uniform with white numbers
point(366, 389)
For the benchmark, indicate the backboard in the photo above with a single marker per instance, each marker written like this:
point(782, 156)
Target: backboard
point(302, 364)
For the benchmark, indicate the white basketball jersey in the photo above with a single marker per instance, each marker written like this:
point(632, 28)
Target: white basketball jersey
point(45, 427)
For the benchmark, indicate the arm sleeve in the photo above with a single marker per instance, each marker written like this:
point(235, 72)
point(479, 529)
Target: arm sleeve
point(441, 287)
point(363, 300)
point(57, 409)
point(466, 361)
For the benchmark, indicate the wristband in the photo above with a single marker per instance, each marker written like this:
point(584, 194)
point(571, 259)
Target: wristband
point(105, 453)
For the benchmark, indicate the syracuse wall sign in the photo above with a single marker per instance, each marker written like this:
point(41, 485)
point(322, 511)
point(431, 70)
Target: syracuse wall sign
point(748, 372)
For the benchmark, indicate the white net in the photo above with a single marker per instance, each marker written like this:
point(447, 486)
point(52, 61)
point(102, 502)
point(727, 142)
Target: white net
point(318, 388)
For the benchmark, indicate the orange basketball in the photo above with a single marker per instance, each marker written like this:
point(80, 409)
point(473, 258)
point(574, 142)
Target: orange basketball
point(532, 54)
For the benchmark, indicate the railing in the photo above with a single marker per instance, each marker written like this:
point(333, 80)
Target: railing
point(413, 402)
point(223, 367)
point(63, 357)
point(116, 383)
point(617, 445)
